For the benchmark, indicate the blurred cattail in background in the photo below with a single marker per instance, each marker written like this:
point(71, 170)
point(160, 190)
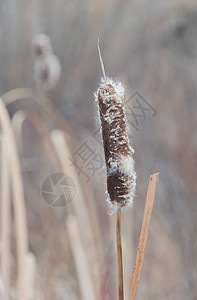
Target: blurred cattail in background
point(121, 176)
point(47, 68)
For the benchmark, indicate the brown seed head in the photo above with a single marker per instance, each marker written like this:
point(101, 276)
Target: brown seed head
point(121, 176)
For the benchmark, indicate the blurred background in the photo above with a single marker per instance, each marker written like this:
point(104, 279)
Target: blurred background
point(150, 46)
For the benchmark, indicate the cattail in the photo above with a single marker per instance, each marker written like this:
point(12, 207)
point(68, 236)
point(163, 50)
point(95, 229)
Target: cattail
point(47, 68)
point(41, 45)
point(121, 176)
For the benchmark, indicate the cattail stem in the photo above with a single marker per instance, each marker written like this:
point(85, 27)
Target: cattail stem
point(41, 100)
point(80, 259)
point(18, 199)
point(119, 256)
point(5, 216)
point(144, 233)
point(79, 205)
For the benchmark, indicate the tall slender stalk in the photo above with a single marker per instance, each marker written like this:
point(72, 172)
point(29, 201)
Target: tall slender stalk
point(80, 259)
point(119, 255)
point(19, 202)
point(5, 216)
point(79, 206)
point(144, 233)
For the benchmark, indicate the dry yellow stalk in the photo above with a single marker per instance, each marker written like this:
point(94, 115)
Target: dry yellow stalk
point(5, 216)
point(19, 202)
point(80, 259)
point(79, 205)
point(144, 233)
point(31, 275)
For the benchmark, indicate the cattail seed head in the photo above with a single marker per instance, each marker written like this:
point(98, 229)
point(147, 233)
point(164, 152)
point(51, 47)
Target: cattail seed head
point(121, 176)
point(47, 68)
point(41, 45)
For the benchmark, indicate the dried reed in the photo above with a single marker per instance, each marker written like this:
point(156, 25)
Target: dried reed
point(42, 130)
point(19, 202)
point(144, 233)
point(79, 205)
point(40, 99)
point(119, 256)
point(17, 121)
point(31, 276)
point(5, 216)
point(80, 259)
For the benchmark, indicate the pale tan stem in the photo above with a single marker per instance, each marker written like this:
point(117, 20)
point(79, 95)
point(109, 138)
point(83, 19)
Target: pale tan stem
point(31, 276)
point(44, 131)
point(17, 122)
point(5, 216)
point(101, 60)
point(40, 99)
point(144, 233)
point(19, 202)
point(119, 256)
point(78, 204)
point(80, 259)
